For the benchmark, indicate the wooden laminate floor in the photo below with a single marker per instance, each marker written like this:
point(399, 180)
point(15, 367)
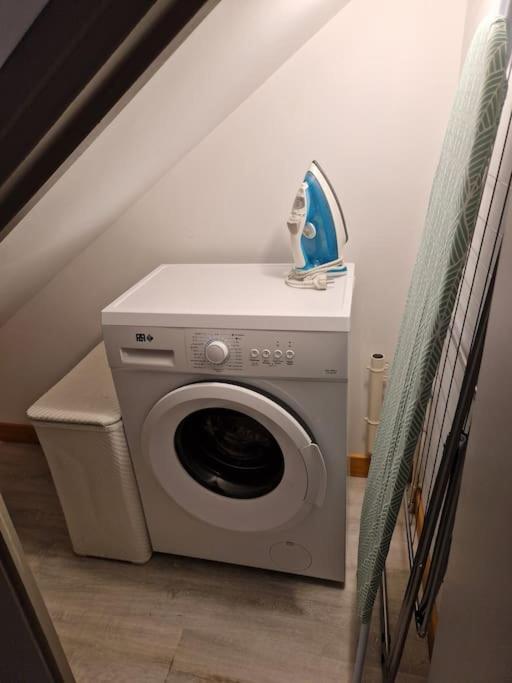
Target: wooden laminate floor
point(179, 620)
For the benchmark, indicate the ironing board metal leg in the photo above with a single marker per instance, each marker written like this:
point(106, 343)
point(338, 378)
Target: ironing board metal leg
point(384, 618)
point(362, 643)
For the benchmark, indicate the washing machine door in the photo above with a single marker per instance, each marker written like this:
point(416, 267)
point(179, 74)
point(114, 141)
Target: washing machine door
point(233, 457)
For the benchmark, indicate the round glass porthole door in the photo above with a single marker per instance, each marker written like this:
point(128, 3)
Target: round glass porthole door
point(232, 457)
point(229, 452)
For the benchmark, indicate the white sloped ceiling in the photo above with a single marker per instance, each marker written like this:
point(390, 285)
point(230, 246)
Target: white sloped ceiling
point(236, 48)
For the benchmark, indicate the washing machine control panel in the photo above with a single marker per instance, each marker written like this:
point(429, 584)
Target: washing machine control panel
point(267, 353)
point(230, 353)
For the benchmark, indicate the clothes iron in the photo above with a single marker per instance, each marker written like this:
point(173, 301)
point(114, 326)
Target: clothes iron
point(318, 232)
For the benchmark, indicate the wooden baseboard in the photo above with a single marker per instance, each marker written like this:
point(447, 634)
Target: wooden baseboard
point(17, 433)
point(358, 464)
point(419, 512)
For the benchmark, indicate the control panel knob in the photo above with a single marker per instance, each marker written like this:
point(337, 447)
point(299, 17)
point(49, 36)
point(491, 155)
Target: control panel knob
point(216, 352)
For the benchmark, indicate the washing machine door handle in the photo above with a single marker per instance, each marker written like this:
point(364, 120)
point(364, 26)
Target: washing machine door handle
point(317, 474)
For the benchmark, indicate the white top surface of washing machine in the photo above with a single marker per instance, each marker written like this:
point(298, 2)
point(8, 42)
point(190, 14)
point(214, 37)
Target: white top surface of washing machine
point(233, 390)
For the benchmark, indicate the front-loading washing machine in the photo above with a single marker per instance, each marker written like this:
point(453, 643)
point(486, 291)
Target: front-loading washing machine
point(233, 391)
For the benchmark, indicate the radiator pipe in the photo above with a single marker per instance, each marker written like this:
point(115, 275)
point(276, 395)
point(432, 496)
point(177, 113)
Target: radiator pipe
point(377, 370)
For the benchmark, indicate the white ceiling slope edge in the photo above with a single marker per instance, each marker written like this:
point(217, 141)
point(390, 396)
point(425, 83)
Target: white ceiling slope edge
point(372, 109)
point(235, 49)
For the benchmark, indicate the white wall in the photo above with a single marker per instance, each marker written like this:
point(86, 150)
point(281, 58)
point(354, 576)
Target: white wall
point(369, 98)
point(227, 57)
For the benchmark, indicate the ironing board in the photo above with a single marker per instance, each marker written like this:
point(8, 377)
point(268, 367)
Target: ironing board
point(450, 221)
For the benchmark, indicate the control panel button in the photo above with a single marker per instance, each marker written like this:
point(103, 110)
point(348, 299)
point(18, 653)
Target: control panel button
point(278, 354)
point(254, 353)
point(216, 352)
point(290, 354)
point(266, 353)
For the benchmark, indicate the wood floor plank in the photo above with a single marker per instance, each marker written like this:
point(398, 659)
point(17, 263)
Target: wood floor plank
point(262, 658)
point(183, 620)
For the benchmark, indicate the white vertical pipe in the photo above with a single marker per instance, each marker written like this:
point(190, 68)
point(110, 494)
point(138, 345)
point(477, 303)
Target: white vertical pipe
point(377, 369)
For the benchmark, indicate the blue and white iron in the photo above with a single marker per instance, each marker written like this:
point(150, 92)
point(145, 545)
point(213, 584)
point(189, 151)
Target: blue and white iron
point(318, 232)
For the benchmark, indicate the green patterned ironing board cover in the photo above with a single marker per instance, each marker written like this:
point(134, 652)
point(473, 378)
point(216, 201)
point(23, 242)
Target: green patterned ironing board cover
point(449, 225)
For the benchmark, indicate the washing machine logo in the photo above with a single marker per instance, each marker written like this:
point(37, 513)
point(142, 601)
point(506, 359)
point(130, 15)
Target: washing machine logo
point(141, 337)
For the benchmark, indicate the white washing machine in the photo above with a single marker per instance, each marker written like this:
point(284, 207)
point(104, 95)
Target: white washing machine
point(233, 390)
